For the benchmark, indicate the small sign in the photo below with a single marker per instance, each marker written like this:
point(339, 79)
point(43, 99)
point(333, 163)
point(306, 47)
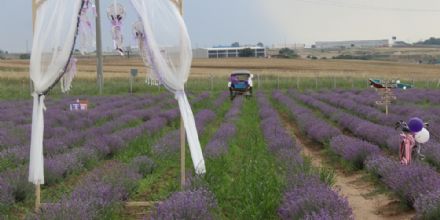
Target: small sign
point(80, 105)
point(134, 72)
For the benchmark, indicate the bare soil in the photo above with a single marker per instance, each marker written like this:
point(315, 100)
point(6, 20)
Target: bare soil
point(363, 196)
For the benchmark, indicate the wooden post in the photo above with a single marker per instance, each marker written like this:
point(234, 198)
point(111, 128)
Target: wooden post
point(99, 60)
point(297, 82)
point(182, 127)
point(316, 82)
point(37, 198)
point(258, 77)
point(182, 154)
point(386, 108)
point(278, 81)
point(212, 82)
point(334, 82)
point(131, 84)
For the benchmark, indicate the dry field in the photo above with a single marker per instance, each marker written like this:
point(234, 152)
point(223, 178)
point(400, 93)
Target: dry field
point(118, 67)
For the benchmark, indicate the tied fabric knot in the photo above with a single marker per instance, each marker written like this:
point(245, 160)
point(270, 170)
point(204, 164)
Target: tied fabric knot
point(179, 93)
point(40, 99)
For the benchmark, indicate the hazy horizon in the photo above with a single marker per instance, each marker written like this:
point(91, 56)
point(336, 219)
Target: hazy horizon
point(213, 23)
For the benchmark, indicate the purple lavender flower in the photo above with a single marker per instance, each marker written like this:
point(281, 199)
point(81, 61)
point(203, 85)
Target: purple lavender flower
point(428, 205)
point(197, 204)
point(16, 185)
point(311, 198)
point(168, 144)
point(202, 118)
point(353, 149)
point(99, 190)
point(143, 165)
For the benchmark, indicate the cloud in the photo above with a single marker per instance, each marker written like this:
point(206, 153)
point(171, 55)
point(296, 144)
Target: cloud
point(307, 21)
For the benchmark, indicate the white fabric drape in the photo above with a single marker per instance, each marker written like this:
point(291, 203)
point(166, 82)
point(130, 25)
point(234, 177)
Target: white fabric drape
point(55, 28)
point(168, 51)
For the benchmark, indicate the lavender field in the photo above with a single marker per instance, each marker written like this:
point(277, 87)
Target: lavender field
point(126, 149)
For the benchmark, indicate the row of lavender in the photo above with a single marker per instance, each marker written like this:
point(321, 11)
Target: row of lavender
point(429, 113)
point(64, 158)
point(219, 143)
point(196, 201)
point(306, 196)
point(414, 96)
point(14, 185)
point(170, 143)
point(15, 123)
point(101, 199)
point(62, 139)
point(417, 184)
point(398, 111)
point(431, 149)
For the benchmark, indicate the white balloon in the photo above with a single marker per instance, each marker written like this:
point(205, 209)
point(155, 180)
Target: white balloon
point(422, 136)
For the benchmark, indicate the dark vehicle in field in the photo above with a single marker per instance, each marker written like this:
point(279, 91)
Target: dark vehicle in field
point(393, 84)
point(240, 83)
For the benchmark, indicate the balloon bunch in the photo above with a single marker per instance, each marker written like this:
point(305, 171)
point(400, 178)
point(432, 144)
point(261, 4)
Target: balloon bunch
point(116, 13)
point(417, 127)
point(414, 134)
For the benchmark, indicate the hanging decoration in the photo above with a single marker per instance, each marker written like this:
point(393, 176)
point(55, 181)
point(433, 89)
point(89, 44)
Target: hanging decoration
point(66, 80)
point(54, 38)
point(168, 51)
point(116, 14)
point(139, 35)
point(86, 32)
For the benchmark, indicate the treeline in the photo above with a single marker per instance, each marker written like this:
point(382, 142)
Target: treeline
point(430, 41)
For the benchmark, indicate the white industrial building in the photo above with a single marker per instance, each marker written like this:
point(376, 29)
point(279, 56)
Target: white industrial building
point(227, 52)
point(351, 44)
point(290, 46)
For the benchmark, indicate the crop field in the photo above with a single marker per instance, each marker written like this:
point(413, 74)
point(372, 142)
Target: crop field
point(119, 67)
point(282, 154)
point(311, 143)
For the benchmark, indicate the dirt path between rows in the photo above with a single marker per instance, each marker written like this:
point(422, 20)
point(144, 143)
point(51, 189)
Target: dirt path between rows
point(365, 200)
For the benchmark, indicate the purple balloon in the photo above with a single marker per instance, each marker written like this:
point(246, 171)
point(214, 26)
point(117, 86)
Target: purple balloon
point(415, 124)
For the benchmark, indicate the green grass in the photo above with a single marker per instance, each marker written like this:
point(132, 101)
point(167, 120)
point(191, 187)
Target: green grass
point(246, 182)
point(13, 89)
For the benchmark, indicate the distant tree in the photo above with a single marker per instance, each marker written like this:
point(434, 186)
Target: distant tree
point(246, 52)
point(260, 44)
point(287, 53)
point(235, 44)
point(25, 56)
point(431, 41)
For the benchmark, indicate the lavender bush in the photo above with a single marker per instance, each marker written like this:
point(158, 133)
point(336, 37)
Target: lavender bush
point(417, 184)
point(316, 128)
point(100, 190)
point(306, 196)
point(143, 165)
point(194, 204)
point(218, 145)
point(352, 149)
point(313, 199)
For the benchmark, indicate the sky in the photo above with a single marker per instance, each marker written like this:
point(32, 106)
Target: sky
point(222, 22)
